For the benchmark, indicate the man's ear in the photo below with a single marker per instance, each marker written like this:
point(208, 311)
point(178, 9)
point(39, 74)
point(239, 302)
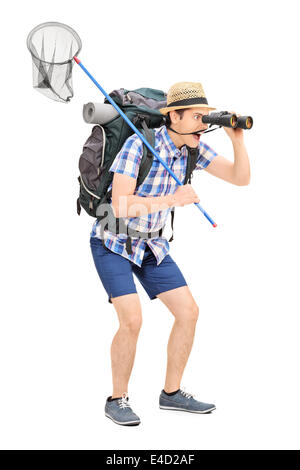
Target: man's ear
point(174, 117)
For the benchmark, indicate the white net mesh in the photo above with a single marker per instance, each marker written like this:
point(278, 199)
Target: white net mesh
point(52, 46)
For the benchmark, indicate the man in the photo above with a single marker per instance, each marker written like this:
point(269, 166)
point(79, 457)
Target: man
point(147, 208)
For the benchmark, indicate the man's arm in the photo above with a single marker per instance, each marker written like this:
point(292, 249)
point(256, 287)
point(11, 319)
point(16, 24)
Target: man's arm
point(237, 173)
point(127, 204)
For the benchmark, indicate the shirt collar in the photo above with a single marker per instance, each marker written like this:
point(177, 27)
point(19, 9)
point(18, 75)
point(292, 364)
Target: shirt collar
point(172, 149)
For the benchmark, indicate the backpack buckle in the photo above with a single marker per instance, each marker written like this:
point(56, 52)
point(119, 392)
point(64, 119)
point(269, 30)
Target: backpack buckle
point(91, 205)
point(139, 118)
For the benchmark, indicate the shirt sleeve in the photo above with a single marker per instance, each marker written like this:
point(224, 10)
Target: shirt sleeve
point(128, 160)
point(206, 155)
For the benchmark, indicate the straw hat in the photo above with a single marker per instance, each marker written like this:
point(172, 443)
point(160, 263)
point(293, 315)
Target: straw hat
point(185, 95)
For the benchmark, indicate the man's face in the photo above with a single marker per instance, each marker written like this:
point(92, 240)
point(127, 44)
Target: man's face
point(191, 121)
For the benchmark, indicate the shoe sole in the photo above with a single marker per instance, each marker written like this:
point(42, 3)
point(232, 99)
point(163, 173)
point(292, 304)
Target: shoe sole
point(126, 423)
point(183, 409)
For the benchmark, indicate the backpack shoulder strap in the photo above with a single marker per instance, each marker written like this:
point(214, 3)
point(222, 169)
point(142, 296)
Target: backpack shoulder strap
point(147, 158)
point(191, 165)
point(192, 158)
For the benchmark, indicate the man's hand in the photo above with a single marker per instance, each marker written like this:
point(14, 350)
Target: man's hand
point(184, 195)
point(236, 135)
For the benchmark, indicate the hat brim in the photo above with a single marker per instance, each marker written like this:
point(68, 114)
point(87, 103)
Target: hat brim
point(173, 108)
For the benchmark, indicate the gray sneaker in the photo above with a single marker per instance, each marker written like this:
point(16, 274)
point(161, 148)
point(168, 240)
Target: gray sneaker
point(120, 412)
point(183, 401)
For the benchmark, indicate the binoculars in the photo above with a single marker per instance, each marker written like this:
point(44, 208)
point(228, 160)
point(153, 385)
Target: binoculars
point(223, 118)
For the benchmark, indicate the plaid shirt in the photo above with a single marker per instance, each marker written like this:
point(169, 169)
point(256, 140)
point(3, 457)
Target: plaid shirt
point(158, 182)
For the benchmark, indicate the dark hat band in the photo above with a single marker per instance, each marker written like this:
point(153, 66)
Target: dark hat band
point(188, 102)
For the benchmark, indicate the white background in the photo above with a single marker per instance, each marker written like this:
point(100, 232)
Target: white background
point(56, 322)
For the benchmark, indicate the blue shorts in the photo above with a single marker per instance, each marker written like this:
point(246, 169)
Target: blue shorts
point(115, 272)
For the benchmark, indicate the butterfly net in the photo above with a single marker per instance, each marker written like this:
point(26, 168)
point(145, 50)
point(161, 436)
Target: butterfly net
point(53, 46)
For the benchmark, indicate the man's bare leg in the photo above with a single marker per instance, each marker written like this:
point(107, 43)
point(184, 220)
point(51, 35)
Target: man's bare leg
point(182, 305)
point(123, 347)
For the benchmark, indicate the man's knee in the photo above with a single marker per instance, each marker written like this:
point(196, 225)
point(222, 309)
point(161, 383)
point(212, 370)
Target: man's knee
point(189, 313)
point(132, 322)
point(130, 314)
point(193, 312)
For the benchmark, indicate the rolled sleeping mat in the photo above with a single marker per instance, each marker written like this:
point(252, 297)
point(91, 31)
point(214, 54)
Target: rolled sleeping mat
point(98, 113)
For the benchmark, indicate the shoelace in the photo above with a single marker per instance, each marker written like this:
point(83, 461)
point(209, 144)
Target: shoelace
point(124, 401)
point(186, 394)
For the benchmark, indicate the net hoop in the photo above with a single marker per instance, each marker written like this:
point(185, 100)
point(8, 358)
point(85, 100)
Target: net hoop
point(54, 24)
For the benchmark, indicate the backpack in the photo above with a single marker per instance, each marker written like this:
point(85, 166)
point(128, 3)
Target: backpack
point(141, 106)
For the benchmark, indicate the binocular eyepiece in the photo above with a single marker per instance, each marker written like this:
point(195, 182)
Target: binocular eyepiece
point(223, 118)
